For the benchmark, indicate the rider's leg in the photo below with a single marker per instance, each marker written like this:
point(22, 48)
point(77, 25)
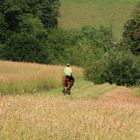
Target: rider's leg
point(63, 83)
point(72, 80)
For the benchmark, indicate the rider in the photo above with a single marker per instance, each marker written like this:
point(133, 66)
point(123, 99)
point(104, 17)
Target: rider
point(68, 73)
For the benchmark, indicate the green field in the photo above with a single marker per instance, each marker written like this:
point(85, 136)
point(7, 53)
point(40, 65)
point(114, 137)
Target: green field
point(77, 13)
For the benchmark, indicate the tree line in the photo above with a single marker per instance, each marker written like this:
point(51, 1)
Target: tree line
point(23, 28)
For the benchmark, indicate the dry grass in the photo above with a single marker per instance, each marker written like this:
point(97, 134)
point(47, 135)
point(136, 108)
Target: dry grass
point(21, 78)
point(113, 116)
point(109, 117)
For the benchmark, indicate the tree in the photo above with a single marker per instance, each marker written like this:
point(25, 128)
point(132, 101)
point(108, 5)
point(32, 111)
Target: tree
point(50, 13)
point(131, 33)
point(23, 28)
point(13, 11)
point(3, 29)
point(24, 47)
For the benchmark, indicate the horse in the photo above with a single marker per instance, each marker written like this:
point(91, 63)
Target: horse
point(67, 84)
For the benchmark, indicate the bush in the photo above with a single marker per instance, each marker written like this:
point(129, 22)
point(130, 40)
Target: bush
point(122, 69)
point(116, 67)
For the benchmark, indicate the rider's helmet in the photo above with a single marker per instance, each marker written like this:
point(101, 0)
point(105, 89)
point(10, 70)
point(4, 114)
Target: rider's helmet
point(68, 64)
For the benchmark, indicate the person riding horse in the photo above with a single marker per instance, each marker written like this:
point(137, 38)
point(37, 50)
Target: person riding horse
point(68, 79)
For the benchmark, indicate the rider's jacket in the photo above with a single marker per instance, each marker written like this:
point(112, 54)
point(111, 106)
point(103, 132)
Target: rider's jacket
point(67, 71)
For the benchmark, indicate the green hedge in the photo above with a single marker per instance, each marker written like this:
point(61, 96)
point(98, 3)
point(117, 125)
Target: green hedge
point(115, 67)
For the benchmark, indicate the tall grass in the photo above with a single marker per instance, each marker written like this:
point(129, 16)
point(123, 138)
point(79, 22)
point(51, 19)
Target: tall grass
point(57, 118)
point(20, 78)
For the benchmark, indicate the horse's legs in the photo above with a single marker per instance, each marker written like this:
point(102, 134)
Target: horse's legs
point(69, 87)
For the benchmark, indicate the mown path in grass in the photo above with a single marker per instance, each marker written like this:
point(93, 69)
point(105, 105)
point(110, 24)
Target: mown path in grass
point(113, 115)
point(122, 94)
point(82, 90)
point(88, 90)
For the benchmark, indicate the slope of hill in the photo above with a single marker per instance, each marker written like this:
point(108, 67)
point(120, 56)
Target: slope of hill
point(77, 13)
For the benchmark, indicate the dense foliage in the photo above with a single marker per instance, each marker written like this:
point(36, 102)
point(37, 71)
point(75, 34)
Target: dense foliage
point(77, 46)
point(131, 33)
point(119, 67)
point(14, 11)
point(23, 28)
point(24, 47)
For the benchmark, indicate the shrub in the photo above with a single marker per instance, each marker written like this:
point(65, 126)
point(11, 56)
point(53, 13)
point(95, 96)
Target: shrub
point(116, 67)
point(122, 69)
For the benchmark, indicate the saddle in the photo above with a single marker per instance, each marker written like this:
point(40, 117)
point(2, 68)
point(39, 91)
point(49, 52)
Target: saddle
point(69, 79)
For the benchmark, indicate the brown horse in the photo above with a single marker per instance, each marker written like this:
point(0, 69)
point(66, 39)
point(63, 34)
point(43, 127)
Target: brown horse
point(67, 84)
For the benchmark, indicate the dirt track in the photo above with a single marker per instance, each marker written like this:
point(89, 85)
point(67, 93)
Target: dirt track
point(122, 94)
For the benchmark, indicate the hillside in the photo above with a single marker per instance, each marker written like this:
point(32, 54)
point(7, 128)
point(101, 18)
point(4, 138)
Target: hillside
point(77, 13)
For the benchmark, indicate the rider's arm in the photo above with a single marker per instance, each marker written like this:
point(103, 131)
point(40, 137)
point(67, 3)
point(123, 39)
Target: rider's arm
point(70, 70)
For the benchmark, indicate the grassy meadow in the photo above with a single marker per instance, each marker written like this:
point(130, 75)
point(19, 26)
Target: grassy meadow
point(39, 117)
point(32, 106)
point(20, 78)
point(77, 13)
point(28, 78)
point(87, 114)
